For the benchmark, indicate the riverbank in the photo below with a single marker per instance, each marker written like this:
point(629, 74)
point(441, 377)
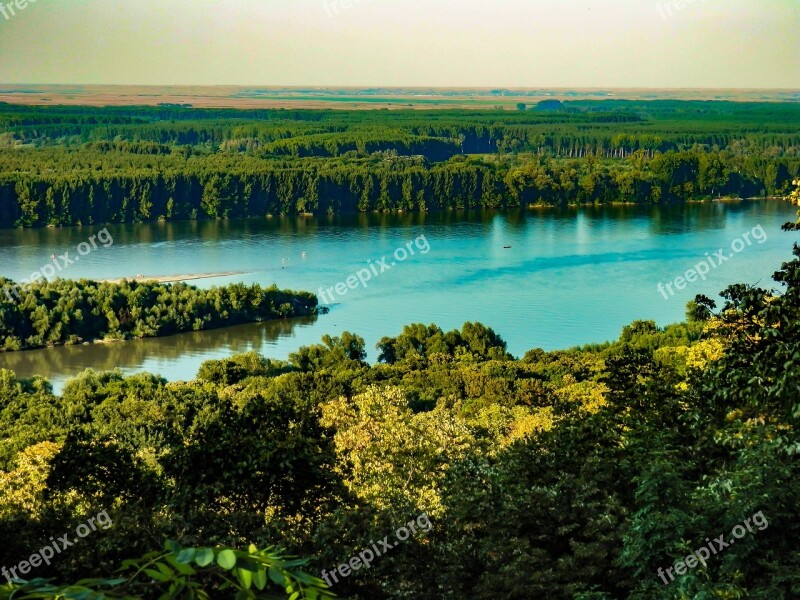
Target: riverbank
point(174, 278)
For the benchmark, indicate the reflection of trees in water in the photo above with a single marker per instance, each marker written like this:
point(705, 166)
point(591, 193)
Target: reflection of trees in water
point(67, 359)
point(668, 220)
point(664, 219)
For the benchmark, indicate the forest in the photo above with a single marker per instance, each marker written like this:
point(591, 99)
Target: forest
point(588, 473)
point(65, 312)
point(63, 165)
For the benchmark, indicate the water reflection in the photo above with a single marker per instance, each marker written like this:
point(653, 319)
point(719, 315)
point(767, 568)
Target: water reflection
point(711, 215)
point(64, 361)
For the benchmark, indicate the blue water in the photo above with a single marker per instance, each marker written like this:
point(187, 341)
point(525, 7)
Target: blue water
point(570, 277)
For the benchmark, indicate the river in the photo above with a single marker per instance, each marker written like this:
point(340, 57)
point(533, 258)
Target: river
point(549, 278)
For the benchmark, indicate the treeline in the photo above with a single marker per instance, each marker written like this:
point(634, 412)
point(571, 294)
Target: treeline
point(65, 165)
point(330, 144)
point(610, 129)
point(585, 473)
point(57, 186)
point(71, 312)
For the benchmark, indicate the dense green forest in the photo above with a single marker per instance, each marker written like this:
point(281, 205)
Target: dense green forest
point(577, 474)
point(50, 313)
point(81, 165)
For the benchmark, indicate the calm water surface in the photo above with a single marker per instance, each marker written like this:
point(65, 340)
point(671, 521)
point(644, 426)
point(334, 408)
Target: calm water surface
point(570, 277)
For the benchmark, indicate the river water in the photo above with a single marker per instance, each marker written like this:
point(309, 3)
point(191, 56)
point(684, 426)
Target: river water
point(550, 278)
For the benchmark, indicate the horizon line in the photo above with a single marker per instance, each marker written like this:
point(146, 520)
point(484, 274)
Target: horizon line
point(409, 87)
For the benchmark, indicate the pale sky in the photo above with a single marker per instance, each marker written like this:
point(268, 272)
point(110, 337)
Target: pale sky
point(468, 43)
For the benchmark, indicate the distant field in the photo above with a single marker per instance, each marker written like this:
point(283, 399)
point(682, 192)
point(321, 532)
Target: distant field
point(352, 98)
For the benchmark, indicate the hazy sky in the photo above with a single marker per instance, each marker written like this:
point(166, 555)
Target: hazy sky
point(524, 43)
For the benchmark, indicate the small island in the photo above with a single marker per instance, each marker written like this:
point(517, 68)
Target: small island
point(64, 312)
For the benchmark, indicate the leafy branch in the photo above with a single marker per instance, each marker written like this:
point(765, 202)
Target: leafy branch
point(188, 573)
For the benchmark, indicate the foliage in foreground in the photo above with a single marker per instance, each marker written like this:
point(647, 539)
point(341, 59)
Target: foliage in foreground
point(178, 573)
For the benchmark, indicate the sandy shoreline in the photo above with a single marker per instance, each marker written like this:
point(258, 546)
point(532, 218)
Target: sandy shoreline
point(175, 278)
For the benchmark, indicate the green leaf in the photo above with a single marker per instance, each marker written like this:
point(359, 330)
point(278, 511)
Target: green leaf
point(157, 575)
point(260, 579)
point(245, 578)
point(165, 570)
point(186, 555)
point(204, 557)
point(181, 568)
point(226, 559)
point(277, 576)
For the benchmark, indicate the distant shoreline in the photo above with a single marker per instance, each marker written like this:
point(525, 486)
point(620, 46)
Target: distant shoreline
point(173, 278)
